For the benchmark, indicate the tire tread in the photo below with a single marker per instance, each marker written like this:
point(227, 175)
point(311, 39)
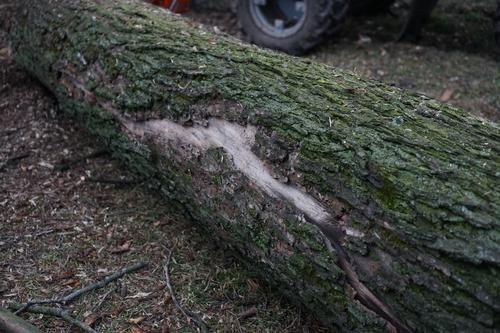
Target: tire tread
point(329, 18)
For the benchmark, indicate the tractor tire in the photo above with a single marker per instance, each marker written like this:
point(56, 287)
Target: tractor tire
point(369, 7)
point(496, 23)
point(321, 19)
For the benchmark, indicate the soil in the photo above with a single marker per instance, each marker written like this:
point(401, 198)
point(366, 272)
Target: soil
point(70, 215)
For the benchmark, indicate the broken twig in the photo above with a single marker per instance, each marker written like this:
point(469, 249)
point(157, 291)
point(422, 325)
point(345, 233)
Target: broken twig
point(70, 297)
point(103, 282)
point(56, 312)
point(190, 316)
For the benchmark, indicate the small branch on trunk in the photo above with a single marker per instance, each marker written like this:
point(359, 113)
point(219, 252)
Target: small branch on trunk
point(56, 312)
point(190, 316)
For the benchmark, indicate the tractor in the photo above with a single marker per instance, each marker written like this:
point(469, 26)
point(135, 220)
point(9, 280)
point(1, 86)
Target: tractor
point(296, 26)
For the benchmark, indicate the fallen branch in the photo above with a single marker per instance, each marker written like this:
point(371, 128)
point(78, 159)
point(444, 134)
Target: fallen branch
point(190, 316)
point(28, 305)
point(103, 282)
point(70, 297)
point(56, 312)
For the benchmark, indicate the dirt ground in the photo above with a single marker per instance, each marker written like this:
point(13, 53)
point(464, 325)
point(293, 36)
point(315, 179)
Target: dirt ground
point(70, 215)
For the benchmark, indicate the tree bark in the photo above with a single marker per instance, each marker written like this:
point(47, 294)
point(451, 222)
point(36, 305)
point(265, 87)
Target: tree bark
point(10, 323)
point(373, 207)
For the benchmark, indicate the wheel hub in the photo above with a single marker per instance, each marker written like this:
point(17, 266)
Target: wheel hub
point(279, 18)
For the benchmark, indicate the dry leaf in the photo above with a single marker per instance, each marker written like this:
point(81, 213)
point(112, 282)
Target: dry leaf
point(91, 319)
point(125, 247)
point(137, 320)
point(247, 313)
point(164, 327)
point(111, 232)
point(46, 165)
point(71, 282)
point(253, 286)
point(139, 295)
point(364, 40)
point(123, 290)
point(136, 329)
point(61, 226)
point(64, 275)
point(116, 311)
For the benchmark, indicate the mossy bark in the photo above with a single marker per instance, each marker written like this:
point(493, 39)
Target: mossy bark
point(409, 237)
point(10, 323)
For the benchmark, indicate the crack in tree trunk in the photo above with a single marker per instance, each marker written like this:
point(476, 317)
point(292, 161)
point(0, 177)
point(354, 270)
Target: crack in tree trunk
point(237, 141)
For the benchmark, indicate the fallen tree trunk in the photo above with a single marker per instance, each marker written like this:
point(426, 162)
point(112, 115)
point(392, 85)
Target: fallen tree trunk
point(374, 208)
point(10, 323)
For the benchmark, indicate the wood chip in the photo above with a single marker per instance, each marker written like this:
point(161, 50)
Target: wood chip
point(71, 282)
point(253, 286)
point(64, 275)
point(136, 329)
point(125, 247)
point(446, 95)
point(137, 320)
point(165, 327)
point(139, 295)
point(247, 313)
point(92, 319)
